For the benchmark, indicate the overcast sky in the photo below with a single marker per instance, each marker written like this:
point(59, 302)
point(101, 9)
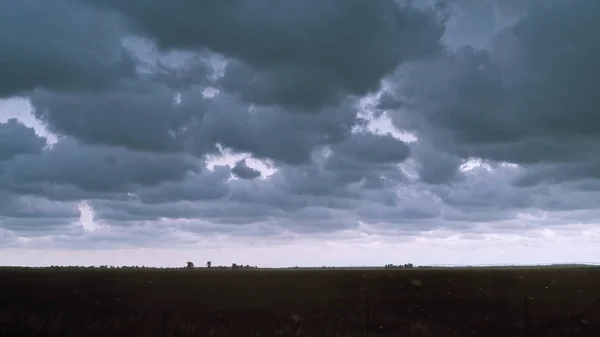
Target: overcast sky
point(286, 132)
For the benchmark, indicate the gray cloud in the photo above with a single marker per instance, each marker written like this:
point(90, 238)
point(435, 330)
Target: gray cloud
point(198, 186)
point(26, 207)
point(486, 189)
point(140, 115)
point(17, 139)
point(35, 216)
point(283, 135)
point(59, 45)
point(146, 116)
point(529, 99)
point(471, 22)
point(97, 169)
point(139, 110)
point(242, 170)
point(285, 56)
point(435, 166)
point(374, 148)
point(336, 182)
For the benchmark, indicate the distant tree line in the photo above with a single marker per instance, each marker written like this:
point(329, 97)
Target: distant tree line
point(104, 266)
point(407, 265)
point(208, 264)
point(190, 265)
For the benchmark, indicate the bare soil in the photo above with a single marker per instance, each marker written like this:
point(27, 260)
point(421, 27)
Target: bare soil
point(300, 302)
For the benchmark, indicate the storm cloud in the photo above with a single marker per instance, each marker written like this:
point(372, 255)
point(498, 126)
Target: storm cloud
point(60, 45)
point(305, 54)
point(284, 118)
point(528, 97)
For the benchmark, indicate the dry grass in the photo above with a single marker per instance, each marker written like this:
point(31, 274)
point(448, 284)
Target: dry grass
point(331, 302)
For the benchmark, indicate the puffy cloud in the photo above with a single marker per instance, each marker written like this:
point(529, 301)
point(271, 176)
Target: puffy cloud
point(431, 165)
point(242, 170)
point(17, 139)
point(333, 184)
point(163, 121)
point(26, 207)
point(529, 98)
point(24, 216)
point(294, 53)
point(270, 132)
point(197, 186)
point(147, 116)
point(374, 148)
point(92, 169)
point(140, 115)
point(69, 170)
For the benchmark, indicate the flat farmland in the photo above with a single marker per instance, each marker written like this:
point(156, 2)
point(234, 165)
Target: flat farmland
point(300, 302)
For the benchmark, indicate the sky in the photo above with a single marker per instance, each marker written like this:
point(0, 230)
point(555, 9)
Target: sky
point(299, 133)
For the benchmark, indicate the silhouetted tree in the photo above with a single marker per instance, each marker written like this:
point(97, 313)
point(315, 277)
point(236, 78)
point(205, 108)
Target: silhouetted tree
point(190, 265)
point(208, 264)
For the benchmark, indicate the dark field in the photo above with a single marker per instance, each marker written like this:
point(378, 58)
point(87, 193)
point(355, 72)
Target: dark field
point(300, 302)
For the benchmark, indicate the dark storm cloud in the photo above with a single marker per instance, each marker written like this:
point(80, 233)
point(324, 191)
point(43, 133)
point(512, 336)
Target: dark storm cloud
point(58, 44)
point(305, 54)
point(242, 170)
point(436, 166)
point(560, 173)
point(471, 22)
point(361, 159)
point(198, 186)
point(482, 197)
point(531, 98)
point(139, 115)
point(91, 168)
point(486, 188)
point(20, 212)
point(329, 186)
point(149, 116)
point(410, 208)
point(28, 215)
point(205, 214)
point(388, 102)
point(374, 148)
point(38, 226)
point(134, 145)
point(269, 132)
point(128, 213)
point(17, 139)
point(113, 237)
point(27, 207)
point(218, 217)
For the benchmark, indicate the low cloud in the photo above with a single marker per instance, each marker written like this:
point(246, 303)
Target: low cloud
point(242, 170)
point(263, 121)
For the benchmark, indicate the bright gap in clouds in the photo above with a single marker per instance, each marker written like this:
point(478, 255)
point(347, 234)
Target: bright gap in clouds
point(229, 158)
point(380, 122)
point(87, 219)
point(20, 108)
point(439, 247)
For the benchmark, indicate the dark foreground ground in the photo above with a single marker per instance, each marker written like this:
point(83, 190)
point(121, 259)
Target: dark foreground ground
point(297, 302)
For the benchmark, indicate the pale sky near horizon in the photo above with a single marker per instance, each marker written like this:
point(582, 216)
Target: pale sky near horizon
point(287, 133)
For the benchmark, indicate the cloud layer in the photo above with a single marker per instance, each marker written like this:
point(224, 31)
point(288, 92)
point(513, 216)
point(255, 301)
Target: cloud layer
point(284, 119)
